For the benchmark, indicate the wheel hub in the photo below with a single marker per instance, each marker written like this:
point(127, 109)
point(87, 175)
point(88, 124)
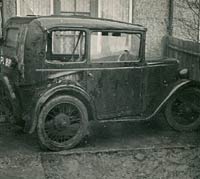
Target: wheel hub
point(61, 121)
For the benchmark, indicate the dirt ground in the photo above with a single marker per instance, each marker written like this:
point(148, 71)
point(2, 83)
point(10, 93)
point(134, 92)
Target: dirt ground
point(120, 150)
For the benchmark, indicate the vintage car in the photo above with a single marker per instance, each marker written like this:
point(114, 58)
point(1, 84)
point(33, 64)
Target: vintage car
point(60, 72)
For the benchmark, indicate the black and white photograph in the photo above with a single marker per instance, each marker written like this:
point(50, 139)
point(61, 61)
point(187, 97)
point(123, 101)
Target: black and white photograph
point(99, 89)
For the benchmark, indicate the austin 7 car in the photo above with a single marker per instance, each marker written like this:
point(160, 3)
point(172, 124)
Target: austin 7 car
point(59, 73)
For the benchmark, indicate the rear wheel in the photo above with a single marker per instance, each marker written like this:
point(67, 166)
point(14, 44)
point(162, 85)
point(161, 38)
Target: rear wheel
point(5, 106)
point(62, 123)
point(4, 113)
point(183, 110)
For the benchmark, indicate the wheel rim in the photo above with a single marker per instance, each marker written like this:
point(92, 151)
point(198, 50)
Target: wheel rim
point(62, 123)
point(4, 113)
point(185, 108)
point(4, 109)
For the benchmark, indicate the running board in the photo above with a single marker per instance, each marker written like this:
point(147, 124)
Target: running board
point(124, 120)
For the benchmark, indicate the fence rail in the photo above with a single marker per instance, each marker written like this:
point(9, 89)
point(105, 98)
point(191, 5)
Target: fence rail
point(187, 52)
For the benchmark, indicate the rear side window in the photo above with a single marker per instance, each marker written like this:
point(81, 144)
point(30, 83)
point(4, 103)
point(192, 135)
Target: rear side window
point(66, 46)
point(12, 37)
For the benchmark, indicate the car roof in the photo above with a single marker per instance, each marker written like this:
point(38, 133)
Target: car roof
point(77, 21)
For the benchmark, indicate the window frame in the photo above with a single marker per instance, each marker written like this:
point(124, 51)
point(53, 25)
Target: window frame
point(75, 10)
point(140, 54)
point(49, 45)
point(6, 37)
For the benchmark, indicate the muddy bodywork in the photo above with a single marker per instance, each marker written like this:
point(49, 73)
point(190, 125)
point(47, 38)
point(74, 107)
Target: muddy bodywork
point(110, 91)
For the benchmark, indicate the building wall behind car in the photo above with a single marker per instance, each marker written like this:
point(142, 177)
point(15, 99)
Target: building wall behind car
point(34, 7)
point(153, 14)
point(9, 9)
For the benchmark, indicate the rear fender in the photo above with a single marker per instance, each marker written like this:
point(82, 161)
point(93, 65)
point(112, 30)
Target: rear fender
point(11, 95)
point(49, 94)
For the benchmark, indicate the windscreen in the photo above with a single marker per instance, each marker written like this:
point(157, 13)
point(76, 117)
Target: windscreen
point(66, 45)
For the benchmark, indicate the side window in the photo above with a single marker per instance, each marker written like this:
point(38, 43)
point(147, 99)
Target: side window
point(114, 46)
point(66, 46)
point(12, 35)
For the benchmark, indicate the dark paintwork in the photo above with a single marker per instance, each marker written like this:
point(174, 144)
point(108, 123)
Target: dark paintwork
point(47, 22)
point(134, 90)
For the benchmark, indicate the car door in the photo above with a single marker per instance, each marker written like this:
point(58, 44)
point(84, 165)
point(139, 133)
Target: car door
point(114, 77)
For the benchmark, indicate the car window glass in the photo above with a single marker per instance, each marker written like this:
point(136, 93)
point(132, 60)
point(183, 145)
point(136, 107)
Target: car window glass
point(114, 46)
point(12, 37)
point(67, 46)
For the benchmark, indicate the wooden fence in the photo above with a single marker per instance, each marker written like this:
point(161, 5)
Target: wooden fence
point(187, 52)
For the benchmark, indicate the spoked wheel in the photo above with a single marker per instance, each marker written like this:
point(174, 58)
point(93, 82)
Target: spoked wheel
point(5, 107)
point(183, 110)
point(62, 123)
point(4, 113)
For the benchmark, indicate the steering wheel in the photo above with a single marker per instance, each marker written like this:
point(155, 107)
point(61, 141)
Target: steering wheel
point(124, 56)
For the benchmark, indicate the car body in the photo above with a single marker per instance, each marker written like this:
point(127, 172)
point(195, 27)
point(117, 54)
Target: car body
point(95, 66)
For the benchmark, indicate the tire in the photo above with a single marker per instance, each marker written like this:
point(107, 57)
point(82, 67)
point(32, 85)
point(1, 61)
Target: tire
point(57, 119)
point(6, 114)
point(182, 111)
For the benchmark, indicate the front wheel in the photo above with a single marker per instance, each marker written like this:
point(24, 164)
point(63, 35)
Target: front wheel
point(62, 123)
point(183, 110)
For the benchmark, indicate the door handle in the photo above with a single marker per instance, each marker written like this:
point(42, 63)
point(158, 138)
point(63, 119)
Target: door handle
point(90, 75)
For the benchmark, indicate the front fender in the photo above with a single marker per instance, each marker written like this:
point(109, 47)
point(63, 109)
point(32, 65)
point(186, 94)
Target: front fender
point(69, 89)
point(172, 91)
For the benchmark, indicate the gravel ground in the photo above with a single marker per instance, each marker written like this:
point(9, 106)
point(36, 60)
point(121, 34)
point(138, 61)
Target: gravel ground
point(120, 150)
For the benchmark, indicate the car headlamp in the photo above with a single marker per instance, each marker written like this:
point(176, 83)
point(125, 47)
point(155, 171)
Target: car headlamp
point(184, 73)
